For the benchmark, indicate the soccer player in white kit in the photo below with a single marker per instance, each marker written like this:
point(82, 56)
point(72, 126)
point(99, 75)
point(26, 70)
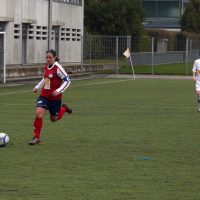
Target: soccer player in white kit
point(196, 79)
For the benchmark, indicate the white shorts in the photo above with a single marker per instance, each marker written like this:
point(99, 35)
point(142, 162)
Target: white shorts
point(197, 86)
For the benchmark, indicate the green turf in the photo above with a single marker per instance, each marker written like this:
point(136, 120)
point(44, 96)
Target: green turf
point(162, 69)
point(125, 140)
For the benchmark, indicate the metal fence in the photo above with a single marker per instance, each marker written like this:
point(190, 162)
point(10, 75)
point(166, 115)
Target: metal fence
point(106, 53)
point(108, 50)
point(2, 57)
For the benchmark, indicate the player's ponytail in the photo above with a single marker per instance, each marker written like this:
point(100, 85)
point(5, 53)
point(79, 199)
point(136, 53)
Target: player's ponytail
point(57, 59)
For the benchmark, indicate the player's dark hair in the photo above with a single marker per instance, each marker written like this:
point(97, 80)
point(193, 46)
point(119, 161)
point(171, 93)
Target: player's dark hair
point(53, 52)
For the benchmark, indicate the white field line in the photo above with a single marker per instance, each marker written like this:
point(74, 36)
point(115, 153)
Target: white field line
point(90, 84)
point(73, 105)
point(9, 93)
point(104, 82)
point(112, 106)
point(85, 84)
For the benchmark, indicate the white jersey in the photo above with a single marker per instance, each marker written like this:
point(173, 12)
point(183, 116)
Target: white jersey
point(196, 69)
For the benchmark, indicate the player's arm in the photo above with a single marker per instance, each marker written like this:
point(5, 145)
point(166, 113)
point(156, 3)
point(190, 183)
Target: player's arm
point(194, 76)
point(39, 85)
point(66, 80)
point(194, 71)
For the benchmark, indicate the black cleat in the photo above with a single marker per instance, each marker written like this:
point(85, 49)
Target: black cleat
point(68, 110)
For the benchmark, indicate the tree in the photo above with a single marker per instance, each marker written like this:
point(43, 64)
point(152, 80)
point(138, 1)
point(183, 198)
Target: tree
point(190, 20)
point(114, 17)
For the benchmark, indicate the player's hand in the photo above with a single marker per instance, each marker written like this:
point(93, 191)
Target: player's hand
point(35, 90)
point(55, 93)
point(194, 79)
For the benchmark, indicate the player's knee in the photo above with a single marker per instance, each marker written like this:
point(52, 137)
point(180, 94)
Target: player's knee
point(40, 112)
point(53, 119)
point(39, 115)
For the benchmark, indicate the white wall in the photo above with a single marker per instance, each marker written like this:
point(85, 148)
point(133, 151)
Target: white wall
point(35, 12)
point(69, 17)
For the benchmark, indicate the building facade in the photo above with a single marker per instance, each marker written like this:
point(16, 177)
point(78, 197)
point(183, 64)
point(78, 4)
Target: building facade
point(34, 26)
point(164, 14)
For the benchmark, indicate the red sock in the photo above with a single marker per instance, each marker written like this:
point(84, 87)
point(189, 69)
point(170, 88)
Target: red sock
point(38, 127)
point(61, 113)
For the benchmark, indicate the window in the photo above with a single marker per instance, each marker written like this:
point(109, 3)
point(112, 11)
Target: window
point(17, 31)
point(161, 9)
point(2, 26)
point(70, 34)
point(41, 33)
point(75, 2)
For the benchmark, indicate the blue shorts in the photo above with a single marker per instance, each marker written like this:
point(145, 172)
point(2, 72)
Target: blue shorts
point(52, 105)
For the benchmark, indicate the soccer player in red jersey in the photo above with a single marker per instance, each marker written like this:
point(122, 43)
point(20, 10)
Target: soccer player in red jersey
point(54, 82)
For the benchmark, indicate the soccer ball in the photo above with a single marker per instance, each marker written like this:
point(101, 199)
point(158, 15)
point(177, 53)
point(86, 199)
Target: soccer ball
point(4, 139)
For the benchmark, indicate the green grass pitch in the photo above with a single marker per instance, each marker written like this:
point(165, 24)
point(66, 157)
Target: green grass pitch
point(126, 139)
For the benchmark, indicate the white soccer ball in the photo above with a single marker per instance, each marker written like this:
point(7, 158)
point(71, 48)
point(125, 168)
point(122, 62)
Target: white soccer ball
point(4, 139)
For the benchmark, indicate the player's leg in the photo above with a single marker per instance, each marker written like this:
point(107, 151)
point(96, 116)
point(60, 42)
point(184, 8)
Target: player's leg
point(38, 122)
point(57, 111)
point(63, 110)
point(54, 109)
point(197, 88)
point(198, 99)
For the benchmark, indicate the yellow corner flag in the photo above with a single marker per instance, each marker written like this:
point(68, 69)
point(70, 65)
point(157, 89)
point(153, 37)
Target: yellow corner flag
point(127, 53)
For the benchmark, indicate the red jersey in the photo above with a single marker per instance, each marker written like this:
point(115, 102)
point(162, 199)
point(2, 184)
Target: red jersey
point(55, 78)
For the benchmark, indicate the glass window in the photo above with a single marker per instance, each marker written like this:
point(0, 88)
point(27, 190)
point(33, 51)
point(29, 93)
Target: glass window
point(161, 9)
point(2, 26)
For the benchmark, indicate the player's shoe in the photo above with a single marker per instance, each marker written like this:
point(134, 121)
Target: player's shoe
point(68, 110)
point(34, 141)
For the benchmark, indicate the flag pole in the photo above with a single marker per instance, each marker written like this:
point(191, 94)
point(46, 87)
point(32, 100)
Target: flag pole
point(127, 53)
point(132, 67)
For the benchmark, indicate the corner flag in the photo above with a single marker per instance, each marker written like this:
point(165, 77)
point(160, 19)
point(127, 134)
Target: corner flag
point(127, 53)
